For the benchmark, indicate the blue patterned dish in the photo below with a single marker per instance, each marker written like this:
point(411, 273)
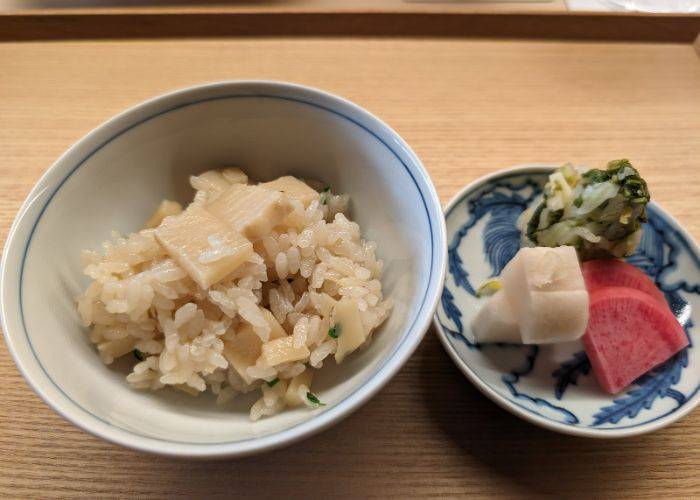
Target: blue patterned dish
point(553, 386)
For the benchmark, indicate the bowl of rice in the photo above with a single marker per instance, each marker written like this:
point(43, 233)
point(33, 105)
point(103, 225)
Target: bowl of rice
point(223, 270)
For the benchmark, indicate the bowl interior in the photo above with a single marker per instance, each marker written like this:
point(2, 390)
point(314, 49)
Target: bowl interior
point(553, 385)
point(114, 179)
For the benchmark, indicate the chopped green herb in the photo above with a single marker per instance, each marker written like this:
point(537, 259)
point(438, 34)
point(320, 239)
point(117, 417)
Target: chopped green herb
point(312, 397)
point(335, 330)
point(139, 355)
point(594, 176)
point(534, 222)
point(616, 166)
point(556, 216)
point(578, 201)
point(272, 382)
point(325, 193)
point(326, 189)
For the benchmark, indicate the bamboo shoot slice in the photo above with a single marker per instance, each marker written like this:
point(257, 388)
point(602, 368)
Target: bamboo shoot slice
point(251, 210)
point(282, 350)
point(188, 238)
point(276, 330)
point(349, 329)
point(291, 397)
point(243, 351)
point(293, 187)
point(116, 348)
point(211, 181)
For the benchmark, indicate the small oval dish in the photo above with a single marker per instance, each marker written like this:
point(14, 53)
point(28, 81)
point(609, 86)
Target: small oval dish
point(553, 386)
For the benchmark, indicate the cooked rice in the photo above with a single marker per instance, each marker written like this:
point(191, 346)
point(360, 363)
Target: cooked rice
point(143, 305)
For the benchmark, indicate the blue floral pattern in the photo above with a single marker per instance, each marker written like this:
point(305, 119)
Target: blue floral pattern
point(503, 203)
point(492, 211)
point(569, 371)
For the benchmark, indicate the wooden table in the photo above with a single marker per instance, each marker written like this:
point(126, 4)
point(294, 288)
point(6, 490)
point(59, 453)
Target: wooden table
point(279, 6)
point(467, 107)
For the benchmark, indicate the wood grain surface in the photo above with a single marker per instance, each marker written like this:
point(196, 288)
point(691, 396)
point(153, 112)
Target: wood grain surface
point(278, 6)
point(437, 21)
point(467, 108)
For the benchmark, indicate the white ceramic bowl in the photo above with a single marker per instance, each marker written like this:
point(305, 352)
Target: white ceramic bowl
point(114, 177)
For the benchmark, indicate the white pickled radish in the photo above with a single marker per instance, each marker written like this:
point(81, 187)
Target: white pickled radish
point(547, 294)
point(495, 321)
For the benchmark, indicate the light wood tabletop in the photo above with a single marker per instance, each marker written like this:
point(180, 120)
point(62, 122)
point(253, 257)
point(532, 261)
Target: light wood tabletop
point(467, 107)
